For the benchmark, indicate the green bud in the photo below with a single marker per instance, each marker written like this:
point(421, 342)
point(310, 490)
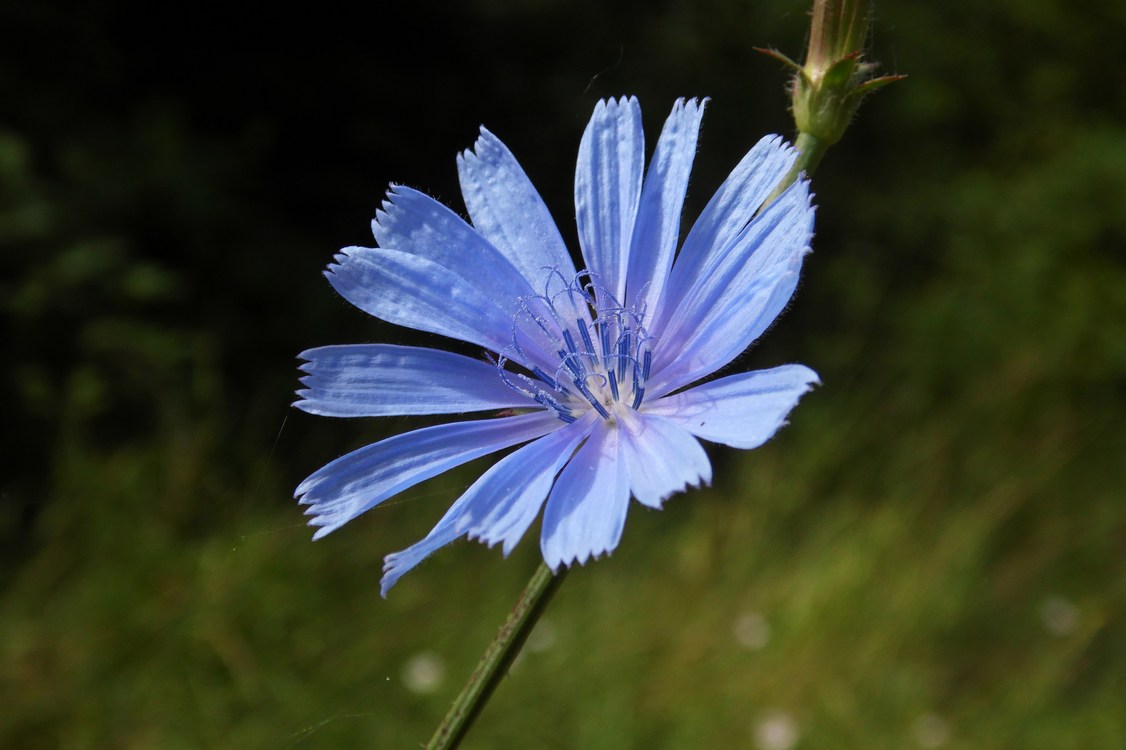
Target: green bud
point(826, 91)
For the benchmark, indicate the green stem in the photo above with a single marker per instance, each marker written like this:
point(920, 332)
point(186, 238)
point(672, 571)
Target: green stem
point(497, 659)
point(810, 150)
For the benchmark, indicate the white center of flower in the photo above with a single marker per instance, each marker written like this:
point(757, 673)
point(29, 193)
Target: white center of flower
point(600, 349)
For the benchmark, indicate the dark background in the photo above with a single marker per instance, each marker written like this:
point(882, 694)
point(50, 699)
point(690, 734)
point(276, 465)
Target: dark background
point(931, 554)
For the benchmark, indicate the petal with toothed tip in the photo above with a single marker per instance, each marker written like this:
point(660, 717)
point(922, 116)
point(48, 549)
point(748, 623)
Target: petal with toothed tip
point(501, 505)
point(416, 292)
point(657, 228)
point(607, 189)
point(360, 480)
point(413, 222)
point(586, 510)
point(744, 410)
point(379, 380)
point(508, 211)
point(661, 458)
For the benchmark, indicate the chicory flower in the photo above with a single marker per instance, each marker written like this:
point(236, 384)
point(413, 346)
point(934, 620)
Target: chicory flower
point(588, 369)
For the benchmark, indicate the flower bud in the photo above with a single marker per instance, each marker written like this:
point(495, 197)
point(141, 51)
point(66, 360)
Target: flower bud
point(827, 90)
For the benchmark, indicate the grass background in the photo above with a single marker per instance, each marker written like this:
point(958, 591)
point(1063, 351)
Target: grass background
point(931, 554)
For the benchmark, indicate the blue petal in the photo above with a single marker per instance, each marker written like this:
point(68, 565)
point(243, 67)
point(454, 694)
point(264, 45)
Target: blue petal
point(352, 484)
point(416, 292)
point(737, 295)
point(412, 222)
point(509, 213)
point(662, 459)
point(724, 218)
point(378, 380)
point(662, 198)
point(607, 189)
point(517, 505)
point(586, 510)
point(501, 505)
point(743, 410)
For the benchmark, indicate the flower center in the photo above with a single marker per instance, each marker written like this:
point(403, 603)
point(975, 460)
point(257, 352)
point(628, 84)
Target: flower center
point(601, 350)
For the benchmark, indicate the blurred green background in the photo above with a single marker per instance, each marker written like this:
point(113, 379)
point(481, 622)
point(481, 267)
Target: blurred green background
point(932, 554)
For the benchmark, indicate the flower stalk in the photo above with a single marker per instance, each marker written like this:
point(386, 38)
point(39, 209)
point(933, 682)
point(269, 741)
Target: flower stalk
point(497, 659)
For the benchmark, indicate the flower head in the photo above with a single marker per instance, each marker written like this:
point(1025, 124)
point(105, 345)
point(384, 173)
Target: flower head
point(587, 367)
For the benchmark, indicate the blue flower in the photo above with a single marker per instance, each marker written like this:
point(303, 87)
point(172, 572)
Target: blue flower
point(587, 368)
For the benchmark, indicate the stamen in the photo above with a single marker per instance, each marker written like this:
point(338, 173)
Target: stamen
point(639, 383)
point(539, 373)
point(576, 369)
point(586, 337)
point(602, 374)
point(570, 339)
point(604, 340)
point(623, 352)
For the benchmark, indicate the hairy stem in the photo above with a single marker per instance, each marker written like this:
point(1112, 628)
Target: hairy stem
point(497, 658)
